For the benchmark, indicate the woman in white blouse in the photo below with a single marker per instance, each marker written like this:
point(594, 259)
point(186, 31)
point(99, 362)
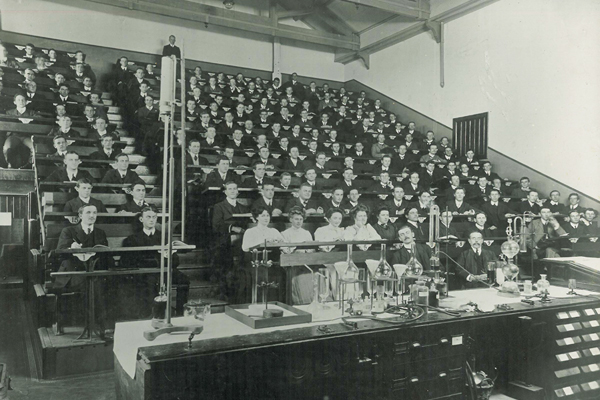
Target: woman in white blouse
point(302, 281)
point(361, 229)
point(254, 236)
point(261, 232)
point(332, 232)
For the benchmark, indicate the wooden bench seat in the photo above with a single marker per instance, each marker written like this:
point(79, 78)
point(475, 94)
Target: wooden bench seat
point(45, 149)
point(97, 173)
point(55, 201)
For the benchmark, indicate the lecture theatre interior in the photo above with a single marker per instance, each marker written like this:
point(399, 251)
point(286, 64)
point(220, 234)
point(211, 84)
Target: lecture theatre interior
point(299, 199)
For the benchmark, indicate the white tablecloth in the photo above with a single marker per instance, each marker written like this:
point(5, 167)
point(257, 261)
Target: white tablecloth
point(129, 335)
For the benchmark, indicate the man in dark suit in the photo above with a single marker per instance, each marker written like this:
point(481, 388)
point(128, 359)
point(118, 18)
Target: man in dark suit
point(458, 205)
point(486, 171)
point(21, 109)
point(539, 230)
point(221, 175)
point(84, 188)
point(347, 180)
point(384, 227)
point(71, 171)
point(137, 201)
point(170, 49)
point(335, 201)
point(574, 227)
point(383, 185)
point(496, 211)
point(397, 204)
point(145, 287)
point(574, 204)
point(411, 130)
point(297, 87)
point(258, 179)
point(107, 152)
point(122, 174)
point(192, 156)
point(84, 235)
point(304, 200)
point(226, 230)
point(414, 187)
point(293, 162)
point(409, 250)
point(555, 205)
point(268, 201)
point(211, 143)
point(60, 144)
point(411, 213)
point(531, 205)
point(474, 262)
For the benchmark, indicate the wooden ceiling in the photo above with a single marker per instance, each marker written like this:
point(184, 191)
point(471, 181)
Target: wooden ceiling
point(354, 28)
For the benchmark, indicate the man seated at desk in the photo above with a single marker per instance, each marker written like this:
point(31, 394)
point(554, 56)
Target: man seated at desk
point(71, 171)
point(84, 235)
point(474, 262)
point(84, 188)
point(410, 249)
point(540, 232)
point(137, 201)
point(146, 286)
point(122, 174)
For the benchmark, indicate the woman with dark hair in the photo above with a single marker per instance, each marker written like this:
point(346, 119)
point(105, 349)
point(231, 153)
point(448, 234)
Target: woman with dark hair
point(302, 286)
point(241, 279)
point(361, 229)
point(261, 232)
point(384, 227)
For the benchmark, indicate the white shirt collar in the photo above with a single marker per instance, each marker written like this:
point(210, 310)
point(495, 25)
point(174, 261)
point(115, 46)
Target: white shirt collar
point(149, 232)
point(232, 202)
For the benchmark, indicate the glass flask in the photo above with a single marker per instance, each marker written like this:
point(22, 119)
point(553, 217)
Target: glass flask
point(543, 284)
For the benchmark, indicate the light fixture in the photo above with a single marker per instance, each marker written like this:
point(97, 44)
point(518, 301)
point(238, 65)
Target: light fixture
point(228, 4)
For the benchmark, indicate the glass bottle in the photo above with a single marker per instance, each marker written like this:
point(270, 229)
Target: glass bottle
point(384, 269)
point(422, 292)
point(543, 284)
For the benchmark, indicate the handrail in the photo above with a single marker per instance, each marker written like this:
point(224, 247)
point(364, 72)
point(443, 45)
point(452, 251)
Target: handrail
point(38, 194)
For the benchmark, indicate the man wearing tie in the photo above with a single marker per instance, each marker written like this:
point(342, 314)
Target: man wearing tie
point(145, 287)
point(137, 201)
point(304, 200)
point(192, 156)
point(497, 211)
point(474, 261)
point(412, 219)
point(531, 205)
point(121, 174)
point(60, 144)
point(84, 235)
point(71, 171)
point(409, 250)
point(555, 205)
point(170, 49)
point(256, 181)
point(396, 204)
point(84, 188)
point(226, 230)
point(218, 177)
point(211, 141)
point(337, 197)
point(574, 204)
point(268, 201)
point(106, 152)
point(538, 230)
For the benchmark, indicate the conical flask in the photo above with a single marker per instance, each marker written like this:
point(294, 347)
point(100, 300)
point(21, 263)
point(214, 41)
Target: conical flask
point(384, 269)
point(415, 268)
point(351, 273)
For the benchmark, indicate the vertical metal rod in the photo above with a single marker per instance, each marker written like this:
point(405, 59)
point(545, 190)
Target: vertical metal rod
point(163, 231)
point(171, 166)
point(38, 195)
point(183, 144)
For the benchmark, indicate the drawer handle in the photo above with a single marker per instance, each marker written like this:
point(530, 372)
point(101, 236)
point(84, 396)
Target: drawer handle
point(444, 341)
point(416, 344)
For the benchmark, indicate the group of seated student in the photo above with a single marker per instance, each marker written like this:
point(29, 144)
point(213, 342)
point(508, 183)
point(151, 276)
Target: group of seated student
point(116, 297)
point(73, 100)
point(120, 174)
point(483, 219)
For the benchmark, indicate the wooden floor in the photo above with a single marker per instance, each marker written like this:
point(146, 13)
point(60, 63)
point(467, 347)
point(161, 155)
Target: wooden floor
point(17, 352)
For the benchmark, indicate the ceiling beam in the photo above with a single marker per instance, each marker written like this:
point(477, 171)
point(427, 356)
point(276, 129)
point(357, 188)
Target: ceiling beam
point(469, 6)
point(419, 9)
point(294, 13)
point(221, 17)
